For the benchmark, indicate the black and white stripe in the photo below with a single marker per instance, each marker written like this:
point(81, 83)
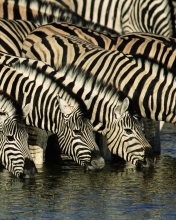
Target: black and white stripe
point(14, 151)
point(107, 109)
point(42, 12)
point(51, 106)
point(127, 16)
point(150, 85)
point(13, 33)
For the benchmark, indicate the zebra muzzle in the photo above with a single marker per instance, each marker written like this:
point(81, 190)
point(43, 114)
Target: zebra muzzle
point(29, 169)
point(97, 162)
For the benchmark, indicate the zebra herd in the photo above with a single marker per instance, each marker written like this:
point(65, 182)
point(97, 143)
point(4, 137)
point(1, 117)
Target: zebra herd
point(78, 67)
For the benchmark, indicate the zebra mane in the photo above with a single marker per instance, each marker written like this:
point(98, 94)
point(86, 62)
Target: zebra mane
point(40, 74)
point(88, 82)
point(9, 106)
point(107, 91)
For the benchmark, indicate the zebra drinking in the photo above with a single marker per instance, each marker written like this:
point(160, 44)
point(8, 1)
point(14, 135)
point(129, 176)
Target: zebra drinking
point(14, 152)
point(126, 72)
point(53, 109)
point(108, 110)
point(150, 46)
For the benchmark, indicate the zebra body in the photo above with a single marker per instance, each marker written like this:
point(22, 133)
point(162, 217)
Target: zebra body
point(127, 16)
point(150, 46)
point(14, 152)
point(107, 109)
point(55, 110)
point(13, 33)
point(137, 77)
point(43, 12)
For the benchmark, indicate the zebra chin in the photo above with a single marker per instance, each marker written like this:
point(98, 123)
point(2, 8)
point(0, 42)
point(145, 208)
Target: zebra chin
point(97, 162)
point(29, 169)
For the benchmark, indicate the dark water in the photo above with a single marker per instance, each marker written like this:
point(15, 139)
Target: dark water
point(119, 191)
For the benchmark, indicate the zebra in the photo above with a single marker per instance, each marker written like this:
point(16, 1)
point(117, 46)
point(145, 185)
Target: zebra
point(127, 16)
point(151, 46)
point(14, 152)
point(43, 12)
point(13, 33)
point(108, 110)
point(125, 72)
point(53, 109)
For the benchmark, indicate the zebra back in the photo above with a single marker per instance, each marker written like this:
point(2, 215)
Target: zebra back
point(14, 152)
point(42, 12)
point(133, 75)
point(13, 33)
point(128, 16)
point(151, 46)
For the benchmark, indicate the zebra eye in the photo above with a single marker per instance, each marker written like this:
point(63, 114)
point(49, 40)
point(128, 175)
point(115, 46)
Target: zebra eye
point(10, 138)
point(128, 131)
point(77, 132)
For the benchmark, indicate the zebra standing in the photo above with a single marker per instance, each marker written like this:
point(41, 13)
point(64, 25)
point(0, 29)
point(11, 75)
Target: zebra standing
point(53, 109)
point(127, 16)
point(14, 152)
point(107, 109)
point(130, 74)
point(151, 46)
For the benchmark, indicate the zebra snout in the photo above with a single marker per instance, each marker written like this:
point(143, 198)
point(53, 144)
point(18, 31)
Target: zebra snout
point(149, 159)
point(97, 162)
point(29, 169)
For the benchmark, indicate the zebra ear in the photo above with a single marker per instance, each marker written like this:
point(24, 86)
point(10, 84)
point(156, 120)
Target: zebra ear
point(3, 117)
point(26, 109)
point(125, 105)
point(65, 107)
point(122, 107)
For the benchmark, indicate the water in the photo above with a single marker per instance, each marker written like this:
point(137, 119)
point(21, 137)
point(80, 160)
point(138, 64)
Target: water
point(119, 191)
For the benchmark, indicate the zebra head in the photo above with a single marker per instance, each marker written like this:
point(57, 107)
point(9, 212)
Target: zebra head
point(126, 138)
point(77, 138)
point(14, 152)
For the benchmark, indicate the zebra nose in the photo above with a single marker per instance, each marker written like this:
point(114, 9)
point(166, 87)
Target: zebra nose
point(97, 161)
point(149, 160)
point(29, 169)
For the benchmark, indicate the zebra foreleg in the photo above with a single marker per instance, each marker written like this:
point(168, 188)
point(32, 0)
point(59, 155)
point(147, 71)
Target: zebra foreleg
point(152, 133)
point(37, 144)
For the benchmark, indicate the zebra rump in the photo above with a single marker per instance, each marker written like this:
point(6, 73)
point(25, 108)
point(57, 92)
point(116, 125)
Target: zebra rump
point(14, 151)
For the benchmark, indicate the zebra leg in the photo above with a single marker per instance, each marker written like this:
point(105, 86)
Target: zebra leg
point(102, 143)
point(37, 143)
point(53, 151)
point(152, 133)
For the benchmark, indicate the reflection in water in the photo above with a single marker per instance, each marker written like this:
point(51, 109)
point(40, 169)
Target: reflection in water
point(119, 191)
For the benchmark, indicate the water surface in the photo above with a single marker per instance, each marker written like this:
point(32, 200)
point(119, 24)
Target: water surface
point(119, 191)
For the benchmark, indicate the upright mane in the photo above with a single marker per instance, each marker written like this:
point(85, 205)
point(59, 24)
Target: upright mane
point(9, 106)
